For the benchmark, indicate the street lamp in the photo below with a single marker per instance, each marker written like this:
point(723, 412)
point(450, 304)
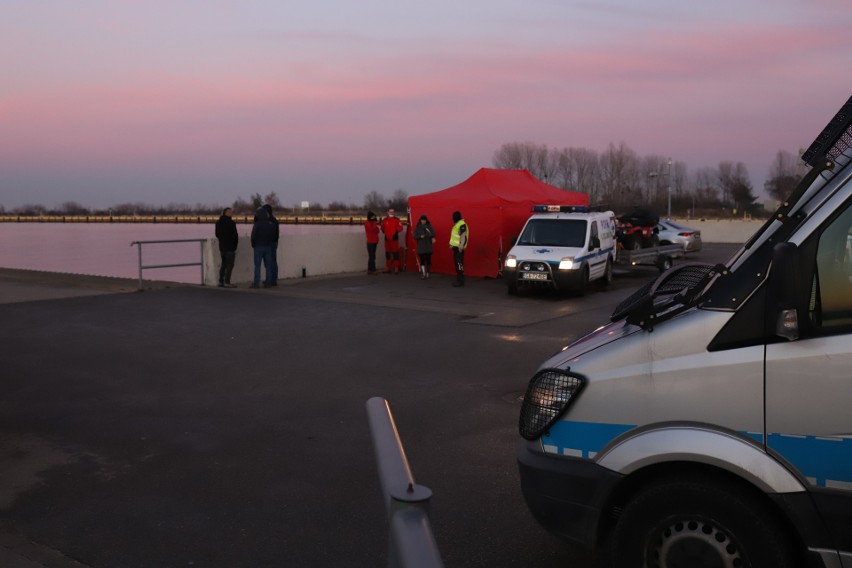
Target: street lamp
point(669, 186)
point(669, 216)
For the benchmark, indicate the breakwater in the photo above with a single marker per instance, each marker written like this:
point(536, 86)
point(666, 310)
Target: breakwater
point(181, 219)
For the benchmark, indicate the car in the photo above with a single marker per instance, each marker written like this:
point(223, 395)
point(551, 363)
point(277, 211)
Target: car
point(673, 233)
point(564, 247)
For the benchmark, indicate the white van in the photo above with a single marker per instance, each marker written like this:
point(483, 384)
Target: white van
point(564, 247)
point(710, 423)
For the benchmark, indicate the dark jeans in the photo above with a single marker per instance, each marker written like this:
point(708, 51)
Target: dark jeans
point(274, 265)
point(228, 257)
point(262, 253)
point(425, 259)
point(371, 256)
point(458, 258)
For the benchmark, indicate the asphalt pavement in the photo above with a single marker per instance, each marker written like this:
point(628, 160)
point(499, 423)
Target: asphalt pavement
point(194, 426)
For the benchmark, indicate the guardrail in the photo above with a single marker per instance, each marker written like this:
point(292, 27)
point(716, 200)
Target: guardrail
point(411, 542)
point(143, 267)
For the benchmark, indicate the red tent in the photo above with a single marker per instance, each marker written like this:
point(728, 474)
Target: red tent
point(495, 204)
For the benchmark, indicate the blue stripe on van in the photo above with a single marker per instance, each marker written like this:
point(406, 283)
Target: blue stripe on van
point(585, 438)
point(600, 252)
point(824, 459)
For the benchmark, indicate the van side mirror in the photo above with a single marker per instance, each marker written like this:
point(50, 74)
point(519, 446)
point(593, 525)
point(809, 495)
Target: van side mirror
point(594, 243)
point(783, 298)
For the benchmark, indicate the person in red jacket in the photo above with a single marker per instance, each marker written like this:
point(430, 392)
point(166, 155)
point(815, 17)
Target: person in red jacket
point(371, 227)
point(391, 228)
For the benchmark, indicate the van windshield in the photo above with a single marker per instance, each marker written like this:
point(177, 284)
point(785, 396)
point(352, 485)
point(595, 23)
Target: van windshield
point(554, 233)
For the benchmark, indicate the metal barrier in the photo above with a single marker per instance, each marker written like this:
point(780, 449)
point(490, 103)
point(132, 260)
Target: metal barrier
point(411, 542)
point(142, 267)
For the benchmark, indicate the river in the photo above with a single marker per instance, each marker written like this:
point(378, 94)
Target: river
point(105, 250)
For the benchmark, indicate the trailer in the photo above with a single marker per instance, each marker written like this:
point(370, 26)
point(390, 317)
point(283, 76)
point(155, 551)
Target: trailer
point(660, 256)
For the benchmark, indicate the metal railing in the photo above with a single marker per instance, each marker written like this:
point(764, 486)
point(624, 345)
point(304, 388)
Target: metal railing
point(411, 542)
point(143, 267)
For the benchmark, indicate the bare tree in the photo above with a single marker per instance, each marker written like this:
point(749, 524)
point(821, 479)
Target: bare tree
point(272, 199)
point(535, 158)
point(785, 173)
point(510, 156)
point(73, 208)
point(619, 177)
point(241, 206)
point(341, 206)
point(735, 184)
point(399, 201)
point(375, 201)
point(585, 165)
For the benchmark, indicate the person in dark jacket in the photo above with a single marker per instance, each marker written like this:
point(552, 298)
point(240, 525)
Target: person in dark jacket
point(262, 240)
point(226, 232)
point(274, 280)
point(424, 236)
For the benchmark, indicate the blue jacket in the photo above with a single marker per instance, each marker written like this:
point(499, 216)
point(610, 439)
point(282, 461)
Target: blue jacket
point(264, 232)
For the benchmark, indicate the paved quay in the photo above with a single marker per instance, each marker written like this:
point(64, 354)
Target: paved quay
point(195, 426)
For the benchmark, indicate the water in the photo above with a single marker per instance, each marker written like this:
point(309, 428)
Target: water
point(104, 249)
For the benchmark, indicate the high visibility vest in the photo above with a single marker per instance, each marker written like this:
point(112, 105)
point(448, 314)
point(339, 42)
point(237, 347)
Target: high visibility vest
point(455, 234)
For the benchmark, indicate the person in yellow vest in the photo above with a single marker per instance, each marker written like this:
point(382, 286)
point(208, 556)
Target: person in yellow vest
point(458, 242)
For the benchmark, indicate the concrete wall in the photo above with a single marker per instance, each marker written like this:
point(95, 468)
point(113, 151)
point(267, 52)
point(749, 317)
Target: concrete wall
point(340, 253)
point(315, 254)
point(723, 231)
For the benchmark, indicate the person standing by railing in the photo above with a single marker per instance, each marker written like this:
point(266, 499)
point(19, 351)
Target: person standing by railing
point(391, 227)
point(262, 240)
point(371, 228)
point(226, 233)
point(274, 264)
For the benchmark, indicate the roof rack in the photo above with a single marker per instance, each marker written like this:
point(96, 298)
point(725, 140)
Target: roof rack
point(834, 139)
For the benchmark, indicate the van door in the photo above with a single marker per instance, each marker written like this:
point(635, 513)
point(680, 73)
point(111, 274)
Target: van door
point(809, 380)
point(597, 261)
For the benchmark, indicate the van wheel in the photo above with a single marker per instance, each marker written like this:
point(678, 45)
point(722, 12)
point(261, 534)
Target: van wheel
point(606, 279)
point(583, 286)
point(692, 522)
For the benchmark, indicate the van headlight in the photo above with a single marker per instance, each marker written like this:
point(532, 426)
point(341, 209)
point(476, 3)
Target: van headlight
point(511, 261)
point(548, 395)
point(566, 263)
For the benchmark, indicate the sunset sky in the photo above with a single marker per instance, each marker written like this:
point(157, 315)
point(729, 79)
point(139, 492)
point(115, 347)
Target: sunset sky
point(112, 101)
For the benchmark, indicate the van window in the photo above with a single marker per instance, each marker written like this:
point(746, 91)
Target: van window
point(554, 233)
point(831, 292)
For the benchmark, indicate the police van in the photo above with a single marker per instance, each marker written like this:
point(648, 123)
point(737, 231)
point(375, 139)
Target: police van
point(564, 247)
point(709, 423)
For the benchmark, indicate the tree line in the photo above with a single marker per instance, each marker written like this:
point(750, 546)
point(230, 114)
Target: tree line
point(618, 178)
point(373, 201)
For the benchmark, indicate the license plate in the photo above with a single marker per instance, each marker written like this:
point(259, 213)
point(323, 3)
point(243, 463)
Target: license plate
point(534, 276)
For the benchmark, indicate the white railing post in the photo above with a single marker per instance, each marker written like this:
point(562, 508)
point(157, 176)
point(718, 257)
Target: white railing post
point(411, 542)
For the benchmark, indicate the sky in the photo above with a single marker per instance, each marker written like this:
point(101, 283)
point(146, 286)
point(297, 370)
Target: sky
point(105, 102)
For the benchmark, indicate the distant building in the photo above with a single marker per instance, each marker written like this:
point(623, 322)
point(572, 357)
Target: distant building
point(306, 205)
